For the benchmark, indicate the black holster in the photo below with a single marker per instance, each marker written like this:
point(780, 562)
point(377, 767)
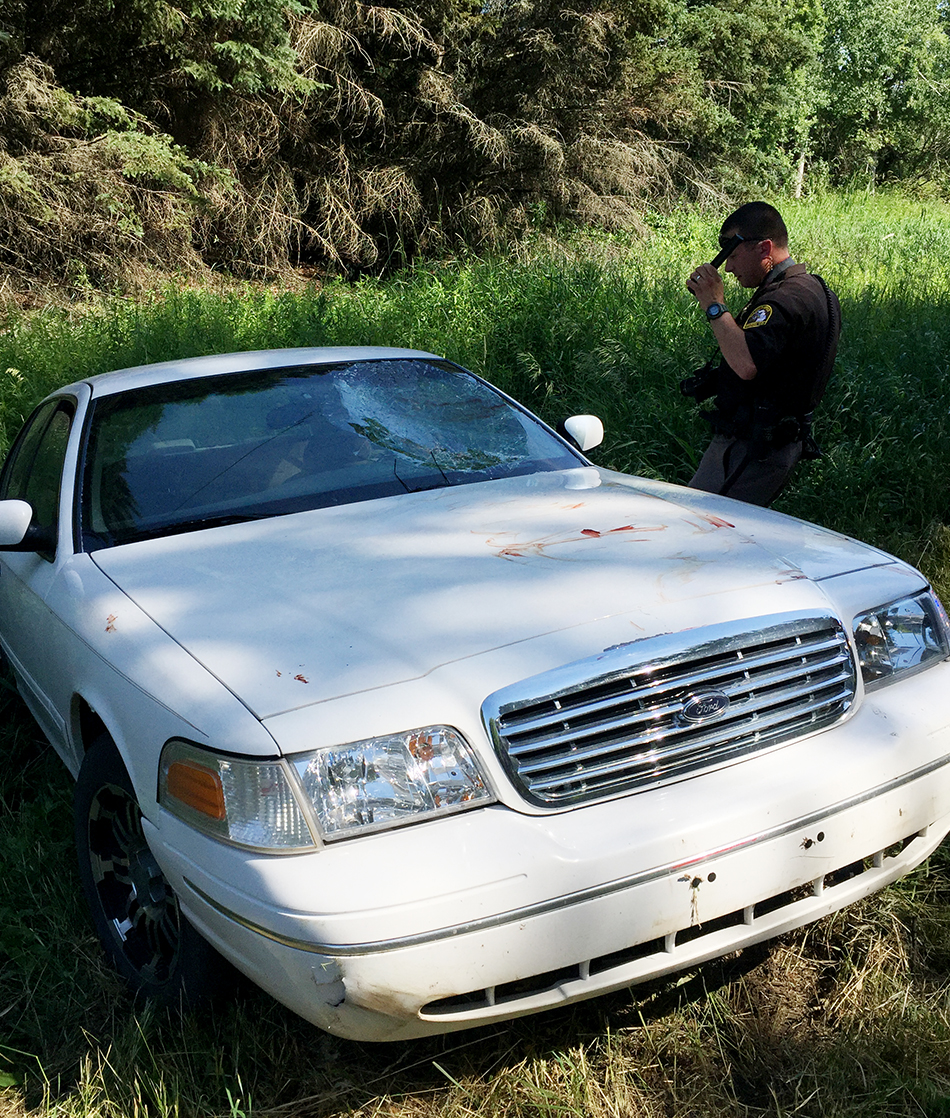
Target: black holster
point(770, 432)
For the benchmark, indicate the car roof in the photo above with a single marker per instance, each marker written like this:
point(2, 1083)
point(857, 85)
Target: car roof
point(187, 368)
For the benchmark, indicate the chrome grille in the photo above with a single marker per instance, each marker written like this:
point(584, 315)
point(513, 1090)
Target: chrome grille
point(619, 724)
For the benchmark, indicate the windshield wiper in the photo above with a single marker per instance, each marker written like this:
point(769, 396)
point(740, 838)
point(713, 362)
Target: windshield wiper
point(443, 481)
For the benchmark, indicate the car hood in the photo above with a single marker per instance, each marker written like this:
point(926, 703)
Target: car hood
point(300, 609)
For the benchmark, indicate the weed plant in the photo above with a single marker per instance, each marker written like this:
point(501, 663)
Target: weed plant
point(850, 1017)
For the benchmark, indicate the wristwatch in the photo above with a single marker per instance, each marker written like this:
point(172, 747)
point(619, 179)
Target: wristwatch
point(715, 310)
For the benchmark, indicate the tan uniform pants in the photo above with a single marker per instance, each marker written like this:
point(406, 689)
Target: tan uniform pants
point(728, 468)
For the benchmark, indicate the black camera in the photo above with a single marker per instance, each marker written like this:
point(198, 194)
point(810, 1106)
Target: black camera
point(701, 384)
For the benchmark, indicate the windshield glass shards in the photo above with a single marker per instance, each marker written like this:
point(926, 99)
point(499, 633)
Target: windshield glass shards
point(194, 453)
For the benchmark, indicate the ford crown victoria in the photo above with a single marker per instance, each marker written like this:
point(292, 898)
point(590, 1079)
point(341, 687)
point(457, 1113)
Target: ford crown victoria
point(374, 686)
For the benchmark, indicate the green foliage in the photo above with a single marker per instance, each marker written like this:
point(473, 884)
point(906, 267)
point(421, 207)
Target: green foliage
point(752, 56)
point(109, 46)
point(885, 79)
point(368, 135)
point(360, 136)
point(88, 189)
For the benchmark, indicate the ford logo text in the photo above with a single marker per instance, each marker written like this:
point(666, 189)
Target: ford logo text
point(708, 704)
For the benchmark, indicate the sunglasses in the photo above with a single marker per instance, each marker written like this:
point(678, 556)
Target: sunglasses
point(728, 246)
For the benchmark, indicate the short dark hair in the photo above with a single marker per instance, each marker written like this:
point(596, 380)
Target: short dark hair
point(756, 221)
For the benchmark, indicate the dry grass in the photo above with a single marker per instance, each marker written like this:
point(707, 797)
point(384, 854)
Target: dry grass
point(90, 194)
point(394, 137)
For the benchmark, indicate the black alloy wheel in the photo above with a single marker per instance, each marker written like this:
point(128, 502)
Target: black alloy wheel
point(134, 910)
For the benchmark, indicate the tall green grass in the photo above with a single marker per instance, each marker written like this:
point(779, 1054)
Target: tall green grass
point(851, 1017)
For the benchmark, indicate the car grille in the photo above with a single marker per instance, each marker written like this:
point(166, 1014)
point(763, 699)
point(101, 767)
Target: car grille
point(654, 712)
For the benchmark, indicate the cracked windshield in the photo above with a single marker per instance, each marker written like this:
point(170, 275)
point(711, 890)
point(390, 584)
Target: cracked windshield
point(215, 450)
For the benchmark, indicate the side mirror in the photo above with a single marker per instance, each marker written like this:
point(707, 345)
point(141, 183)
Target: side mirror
point(15, 518)
point(584, 431)
point(19, 533)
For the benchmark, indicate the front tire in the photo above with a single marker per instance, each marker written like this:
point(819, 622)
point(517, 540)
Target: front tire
point(135, 913)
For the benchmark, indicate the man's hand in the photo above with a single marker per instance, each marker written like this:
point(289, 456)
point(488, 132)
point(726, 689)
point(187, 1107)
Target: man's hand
point(706, 286)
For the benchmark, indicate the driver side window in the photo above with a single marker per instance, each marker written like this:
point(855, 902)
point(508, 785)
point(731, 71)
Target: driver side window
point(34, 469)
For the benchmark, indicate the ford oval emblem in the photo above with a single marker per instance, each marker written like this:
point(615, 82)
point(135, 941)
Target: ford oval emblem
point(708, 704)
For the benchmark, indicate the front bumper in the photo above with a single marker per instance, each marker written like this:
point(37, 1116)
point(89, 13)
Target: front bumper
point(494, 914)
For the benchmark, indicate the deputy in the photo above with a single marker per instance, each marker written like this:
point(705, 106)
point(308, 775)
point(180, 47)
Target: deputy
point(775, 358)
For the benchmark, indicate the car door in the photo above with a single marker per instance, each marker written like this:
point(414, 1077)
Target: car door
point(29, 631)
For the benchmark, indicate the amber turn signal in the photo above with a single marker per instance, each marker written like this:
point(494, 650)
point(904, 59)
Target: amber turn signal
point(196, 787)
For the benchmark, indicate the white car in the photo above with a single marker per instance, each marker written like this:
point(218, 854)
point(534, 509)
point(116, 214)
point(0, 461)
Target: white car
point(374, 686)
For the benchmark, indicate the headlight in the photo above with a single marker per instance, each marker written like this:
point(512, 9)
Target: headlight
point(900, 638)
point(332, 793)
point(382, 782)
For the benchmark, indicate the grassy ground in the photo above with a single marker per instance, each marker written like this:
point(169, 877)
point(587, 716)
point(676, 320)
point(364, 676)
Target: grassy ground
point(851, 1017)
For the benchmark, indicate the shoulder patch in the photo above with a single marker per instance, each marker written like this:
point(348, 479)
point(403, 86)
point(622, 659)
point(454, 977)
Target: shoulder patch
point(759, 317)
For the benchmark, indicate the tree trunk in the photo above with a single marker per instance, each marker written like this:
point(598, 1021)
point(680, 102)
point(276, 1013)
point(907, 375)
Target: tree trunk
point(800, 175)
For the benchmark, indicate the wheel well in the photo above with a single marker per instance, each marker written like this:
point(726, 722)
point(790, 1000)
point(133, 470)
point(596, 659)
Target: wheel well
point(91, 725)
